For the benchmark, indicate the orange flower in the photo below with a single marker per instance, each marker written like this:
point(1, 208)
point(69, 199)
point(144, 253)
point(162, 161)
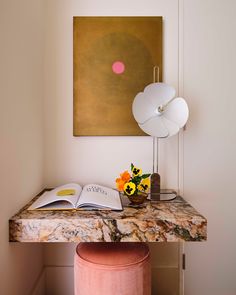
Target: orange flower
point(120, 184)
point(125, 176)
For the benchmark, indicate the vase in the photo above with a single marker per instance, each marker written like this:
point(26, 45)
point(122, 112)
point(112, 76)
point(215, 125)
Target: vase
point(138, 198)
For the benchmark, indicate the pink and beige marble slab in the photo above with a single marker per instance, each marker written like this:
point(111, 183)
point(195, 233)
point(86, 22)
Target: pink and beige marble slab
point(170, 221)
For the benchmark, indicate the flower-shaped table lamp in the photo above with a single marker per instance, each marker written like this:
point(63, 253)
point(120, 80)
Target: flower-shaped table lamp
point(159, 114)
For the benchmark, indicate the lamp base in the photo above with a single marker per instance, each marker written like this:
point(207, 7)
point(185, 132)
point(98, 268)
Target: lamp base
point(155, 186)
point(158, 194)
point(163, 195)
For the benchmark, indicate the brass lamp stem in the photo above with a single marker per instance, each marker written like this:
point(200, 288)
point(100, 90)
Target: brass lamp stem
point(155, 177)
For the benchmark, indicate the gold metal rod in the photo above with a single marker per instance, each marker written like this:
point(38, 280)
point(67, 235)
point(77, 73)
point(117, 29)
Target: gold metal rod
point(156, 74)
point(155, 154)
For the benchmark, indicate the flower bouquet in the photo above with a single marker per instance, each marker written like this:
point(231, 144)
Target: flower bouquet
point(135, 185)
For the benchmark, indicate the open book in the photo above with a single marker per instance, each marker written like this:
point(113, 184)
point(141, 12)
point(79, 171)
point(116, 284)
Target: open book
point(73, 196)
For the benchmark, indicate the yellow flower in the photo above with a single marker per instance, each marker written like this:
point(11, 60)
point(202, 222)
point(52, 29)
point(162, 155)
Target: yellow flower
point(129, 188)
point(144, 185)
point(136, 171)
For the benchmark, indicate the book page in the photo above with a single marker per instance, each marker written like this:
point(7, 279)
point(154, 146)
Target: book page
point(98, 196)
point(50, 200)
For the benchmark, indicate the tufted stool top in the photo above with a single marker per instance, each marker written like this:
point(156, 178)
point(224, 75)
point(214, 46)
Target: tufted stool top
point(115, 254)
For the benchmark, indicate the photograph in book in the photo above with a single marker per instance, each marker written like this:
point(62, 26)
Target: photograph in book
point(73, 196)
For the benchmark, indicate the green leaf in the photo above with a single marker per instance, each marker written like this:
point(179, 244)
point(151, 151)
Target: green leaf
point(145, 176)
point(137, 180)
point(132, 166)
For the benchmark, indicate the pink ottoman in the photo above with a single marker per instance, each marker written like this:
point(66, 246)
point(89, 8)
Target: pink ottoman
point(112, 269)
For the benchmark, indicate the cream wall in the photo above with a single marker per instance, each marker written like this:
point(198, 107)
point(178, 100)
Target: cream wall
point(199, 60)
point(99, 159)
point(21, 150)
point(210, 142)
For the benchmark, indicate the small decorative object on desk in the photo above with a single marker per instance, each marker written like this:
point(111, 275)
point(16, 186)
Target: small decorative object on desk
point(135, 185)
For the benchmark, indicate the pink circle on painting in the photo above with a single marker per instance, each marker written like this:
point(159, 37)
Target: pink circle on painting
point(118, 67)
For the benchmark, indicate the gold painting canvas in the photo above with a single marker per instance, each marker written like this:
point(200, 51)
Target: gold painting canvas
point(113, 60)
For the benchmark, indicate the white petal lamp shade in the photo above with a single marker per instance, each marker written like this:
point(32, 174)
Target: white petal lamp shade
point(157, 111)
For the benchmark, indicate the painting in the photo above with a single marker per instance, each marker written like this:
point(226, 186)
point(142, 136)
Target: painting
point(113, 60)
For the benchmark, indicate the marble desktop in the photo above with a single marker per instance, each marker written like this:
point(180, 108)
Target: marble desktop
point(169, 221)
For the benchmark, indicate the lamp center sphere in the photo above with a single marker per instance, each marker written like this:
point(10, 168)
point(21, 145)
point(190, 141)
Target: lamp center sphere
point(159, 110)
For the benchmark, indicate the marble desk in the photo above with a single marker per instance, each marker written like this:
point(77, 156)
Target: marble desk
point(168, 221)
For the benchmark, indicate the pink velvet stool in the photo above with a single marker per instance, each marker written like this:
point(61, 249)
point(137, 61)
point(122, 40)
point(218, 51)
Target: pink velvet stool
point(112, 269)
